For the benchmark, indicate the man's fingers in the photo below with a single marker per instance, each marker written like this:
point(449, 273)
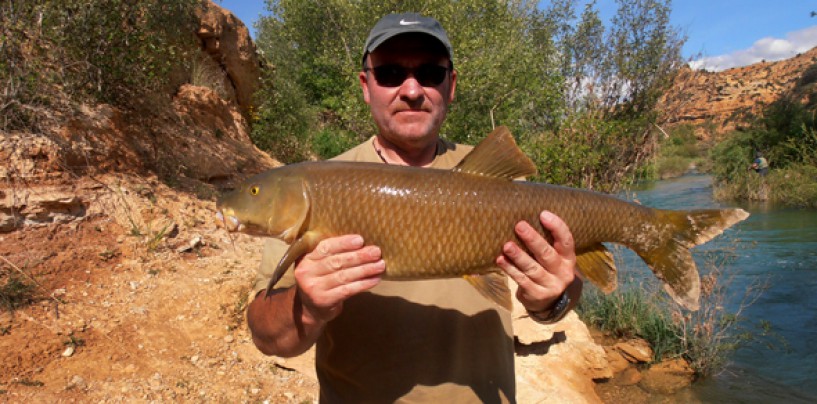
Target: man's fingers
point(520, 261)
point(543, 254)
point(334, 245)
point(519, 276)
point(562, 237)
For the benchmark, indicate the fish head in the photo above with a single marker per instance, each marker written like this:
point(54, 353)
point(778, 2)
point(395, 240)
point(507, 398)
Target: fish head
point(274, 203)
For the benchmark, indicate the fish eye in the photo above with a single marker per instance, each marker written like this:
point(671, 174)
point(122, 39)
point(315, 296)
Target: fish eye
point(254, 190)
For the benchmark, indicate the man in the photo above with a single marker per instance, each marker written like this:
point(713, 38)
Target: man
point(431, 340)
point(760, 164)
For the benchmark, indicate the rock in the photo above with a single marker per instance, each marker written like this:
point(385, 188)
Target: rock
point(635, 350)
point(77, 382)
point(227, 40)
point(194, 243)
point(629, 377)
point(69, 351)
point(557, 360)
point(39, 206)
point(668, 377)
point(724, 101)
point(616, 360)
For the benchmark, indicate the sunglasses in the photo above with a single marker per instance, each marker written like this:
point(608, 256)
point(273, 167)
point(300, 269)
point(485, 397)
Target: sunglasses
point(428, 75)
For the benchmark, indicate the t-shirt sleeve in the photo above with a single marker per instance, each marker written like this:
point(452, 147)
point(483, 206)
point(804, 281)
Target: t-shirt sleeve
point(274, 249)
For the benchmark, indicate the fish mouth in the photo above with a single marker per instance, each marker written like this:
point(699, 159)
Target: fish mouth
point(228, 221)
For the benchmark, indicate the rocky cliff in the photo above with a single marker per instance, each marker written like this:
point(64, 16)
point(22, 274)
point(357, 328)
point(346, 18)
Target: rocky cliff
point(719, 102)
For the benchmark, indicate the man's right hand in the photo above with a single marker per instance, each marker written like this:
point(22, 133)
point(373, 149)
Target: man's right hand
point(289, 321)
point(338, 268)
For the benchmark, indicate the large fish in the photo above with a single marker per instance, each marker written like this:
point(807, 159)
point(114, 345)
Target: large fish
point(452, 223)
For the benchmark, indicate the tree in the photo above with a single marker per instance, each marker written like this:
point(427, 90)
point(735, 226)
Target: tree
point(615, 78)
point(314, 48)
point(581, 99)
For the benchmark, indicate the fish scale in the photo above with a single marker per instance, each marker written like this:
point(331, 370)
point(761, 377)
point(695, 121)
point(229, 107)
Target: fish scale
point(433, 223)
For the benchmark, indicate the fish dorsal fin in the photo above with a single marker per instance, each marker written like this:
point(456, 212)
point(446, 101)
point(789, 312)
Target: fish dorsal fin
point(497, 156)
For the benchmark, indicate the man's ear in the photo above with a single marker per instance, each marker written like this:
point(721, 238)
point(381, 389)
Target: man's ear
point(363, 77)
point(364, 85)
point(453, 86)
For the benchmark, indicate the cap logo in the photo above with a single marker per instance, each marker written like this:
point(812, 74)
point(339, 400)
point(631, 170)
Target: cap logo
point(404, 22)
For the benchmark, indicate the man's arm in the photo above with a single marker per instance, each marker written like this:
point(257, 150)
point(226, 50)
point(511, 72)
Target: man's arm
point(549, 272)
point(289, 321)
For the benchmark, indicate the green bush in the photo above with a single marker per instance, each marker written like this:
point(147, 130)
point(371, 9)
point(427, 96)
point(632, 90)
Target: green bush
point(55, 55)
point(787, 136)
point(16, 291)
point(590, 152)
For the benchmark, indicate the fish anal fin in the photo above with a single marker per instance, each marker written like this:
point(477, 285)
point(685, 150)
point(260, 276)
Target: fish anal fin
point(497, 156)
point(300, 247)
point(597, 265)
point(493, 286)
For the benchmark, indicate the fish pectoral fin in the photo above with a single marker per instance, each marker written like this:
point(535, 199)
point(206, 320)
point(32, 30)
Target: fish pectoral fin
point(597, 265)
point(497, 156)
point(493, 286)
point(300, 247)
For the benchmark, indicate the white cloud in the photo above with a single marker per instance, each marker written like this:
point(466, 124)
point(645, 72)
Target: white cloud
point(768, 49)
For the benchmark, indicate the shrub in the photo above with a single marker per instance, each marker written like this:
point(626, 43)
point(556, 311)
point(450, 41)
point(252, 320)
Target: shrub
point(55, 55)
point(17, 291)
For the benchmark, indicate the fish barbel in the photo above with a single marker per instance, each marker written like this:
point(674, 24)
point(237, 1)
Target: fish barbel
point(433, 223)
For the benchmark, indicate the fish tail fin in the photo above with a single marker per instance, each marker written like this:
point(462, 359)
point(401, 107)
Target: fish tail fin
point(671, 260)
point(493, 286)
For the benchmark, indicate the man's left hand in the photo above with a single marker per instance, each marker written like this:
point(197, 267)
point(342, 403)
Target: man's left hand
point(545, 275)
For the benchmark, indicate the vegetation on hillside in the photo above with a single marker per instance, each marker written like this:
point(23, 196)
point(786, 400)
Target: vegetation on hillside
point(57, 54)
point(579, 96)
point(786, 134)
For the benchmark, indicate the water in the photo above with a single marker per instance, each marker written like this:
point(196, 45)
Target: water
point(774, 245)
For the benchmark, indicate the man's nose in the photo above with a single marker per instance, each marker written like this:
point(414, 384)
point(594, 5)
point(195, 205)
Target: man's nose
point(411, 88)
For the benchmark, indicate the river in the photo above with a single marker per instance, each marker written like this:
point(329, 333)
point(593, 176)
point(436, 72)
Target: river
point(777, 246)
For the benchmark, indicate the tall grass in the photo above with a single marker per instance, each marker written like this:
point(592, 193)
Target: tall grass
point(633, 313)
point(705, 338)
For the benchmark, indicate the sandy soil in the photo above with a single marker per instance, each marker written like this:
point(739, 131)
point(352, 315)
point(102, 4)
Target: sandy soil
point(145, 320)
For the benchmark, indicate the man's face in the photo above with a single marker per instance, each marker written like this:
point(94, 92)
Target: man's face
point(408, 113)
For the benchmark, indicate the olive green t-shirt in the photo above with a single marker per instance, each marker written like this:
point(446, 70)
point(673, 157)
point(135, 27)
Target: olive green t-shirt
point(411, 341)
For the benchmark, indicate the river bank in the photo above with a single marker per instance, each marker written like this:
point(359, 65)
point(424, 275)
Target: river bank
point(776, 247)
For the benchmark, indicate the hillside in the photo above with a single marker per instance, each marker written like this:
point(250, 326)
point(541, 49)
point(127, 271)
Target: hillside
point(719, 102)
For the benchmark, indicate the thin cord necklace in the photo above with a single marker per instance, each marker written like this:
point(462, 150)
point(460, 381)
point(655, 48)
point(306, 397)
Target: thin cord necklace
point(378, 151)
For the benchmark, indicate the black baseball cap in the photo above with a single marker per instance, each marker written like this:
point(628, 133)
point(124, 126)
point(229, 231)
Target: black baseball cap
point(392, 25)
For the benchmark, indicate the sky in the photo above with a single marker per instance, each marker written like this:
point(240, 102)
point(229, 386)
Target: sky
point(720, 33)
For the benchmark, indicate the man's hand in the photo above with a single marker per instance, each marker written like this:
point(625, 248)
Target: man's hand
point(289, 321)
point(337, 269)
point(543, 277)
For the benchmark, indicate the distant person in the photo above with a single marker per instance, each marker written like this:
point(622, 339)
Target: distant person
point(760, 165)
